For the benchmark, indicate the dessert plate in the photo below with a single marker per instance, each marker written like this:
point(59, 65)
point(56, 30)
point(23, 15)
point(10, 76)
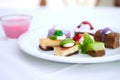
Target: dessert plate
point(29, 42)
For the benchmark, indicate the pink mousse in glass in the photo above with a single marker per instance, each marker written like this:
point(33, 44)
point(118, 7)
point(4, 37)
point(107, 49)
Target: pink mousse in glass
point(15, 25)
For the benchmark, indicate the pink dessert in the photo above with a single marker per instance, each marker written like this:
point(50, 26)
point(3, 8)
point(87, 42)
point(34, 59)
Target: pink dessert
point(85, 27)
point(15, 27)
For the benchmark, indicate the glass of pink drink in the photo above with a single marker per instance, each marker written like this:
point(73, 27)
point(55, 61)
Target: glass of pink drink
point(15, 25)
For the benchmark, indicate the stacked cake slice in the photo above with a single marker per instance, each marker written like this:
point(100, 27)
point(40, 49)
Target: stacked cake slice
point(91, 47)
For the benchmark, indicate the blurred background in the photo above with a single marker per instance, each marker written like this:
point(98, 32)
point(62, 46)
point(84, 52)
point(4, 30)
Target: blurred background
point(57, 3)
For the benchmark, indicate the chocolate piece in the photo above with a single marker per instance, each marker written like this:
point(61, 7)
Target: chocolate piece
point(111, 40)
point(48, 48)
point(96, 53)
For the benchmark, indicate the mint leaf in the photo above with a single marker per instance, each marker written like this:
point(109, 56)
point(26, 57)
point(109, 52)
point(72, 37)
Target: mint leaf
point(80, 46)
point(58, 33)
point(53, 37)
point(87, 40)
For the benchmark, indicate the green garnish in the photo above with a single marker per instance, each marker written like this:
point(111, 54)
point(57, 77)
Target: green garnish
point(80, 46)
point(56, 34)
point(65, 41)
point(89, 44)
point(53, 37)
point(87, 40)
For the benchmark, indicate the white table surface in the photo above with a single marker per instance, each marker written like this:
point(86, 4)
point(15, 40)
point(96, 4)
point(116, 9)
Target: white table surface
point(17, 65)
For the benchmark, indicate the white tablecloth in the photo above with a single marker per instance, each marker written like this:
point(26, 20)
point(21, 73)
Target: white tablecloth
point(17, 65)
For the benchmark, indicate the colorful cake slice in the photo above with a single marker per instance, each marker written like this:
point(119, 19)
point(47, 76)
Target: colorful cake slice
point(85, 27)
point(67, 47)
point(51, 41)
point(90, 47)
point(96, 49)
point(110, 38)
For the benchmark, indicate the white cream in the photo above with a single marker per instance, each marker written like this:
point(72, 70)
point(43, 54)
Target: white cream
point(61, 37)
point(108, 32)
point(68, 45)
point(81, 40)
point(85, 28)
point(92, 37)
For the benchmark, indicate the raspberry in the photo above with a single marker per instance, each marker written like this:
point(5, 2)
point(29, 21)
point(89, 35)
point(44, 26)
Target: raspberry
point(77, 37)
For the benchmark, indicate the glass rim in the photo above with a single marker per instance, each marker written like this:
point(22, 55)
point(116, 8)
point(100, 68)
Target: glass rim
point(29, 17)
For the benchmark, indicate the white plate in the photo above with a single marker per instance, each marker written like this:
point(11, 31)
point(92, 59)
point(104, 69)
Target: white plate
point(29, 42)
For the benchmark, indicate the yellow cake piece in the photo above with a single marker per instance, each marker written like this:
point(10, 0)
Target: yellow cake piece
point(48, 44)
point(65, 51)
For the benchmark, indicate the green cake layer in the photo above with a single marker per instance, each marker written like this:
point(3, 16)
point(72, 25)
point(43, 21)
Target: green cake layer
point(96, 46)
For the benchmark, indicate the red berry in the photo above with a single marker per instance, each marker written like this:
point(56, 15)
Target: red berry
point(77, 37)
